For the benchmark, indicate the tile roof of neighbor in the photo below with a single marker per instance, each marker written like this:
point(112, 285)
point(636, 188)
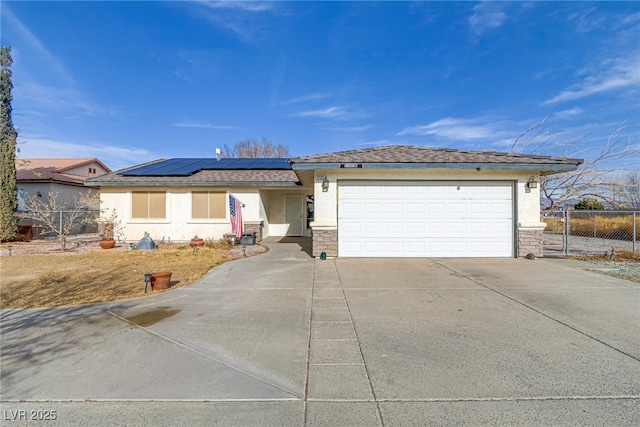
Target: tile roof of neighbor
point(413, 154)
point(53, 169)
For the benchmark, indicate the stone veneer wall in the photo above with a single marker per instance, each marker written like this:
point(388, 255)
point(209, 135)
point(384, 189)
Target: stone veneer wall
point(254, 226)
point(325, 241)
point(530, 240)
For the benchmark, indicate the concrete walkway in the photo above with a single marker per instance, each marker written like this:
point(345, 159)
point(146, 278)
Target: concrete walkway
point(283, 339)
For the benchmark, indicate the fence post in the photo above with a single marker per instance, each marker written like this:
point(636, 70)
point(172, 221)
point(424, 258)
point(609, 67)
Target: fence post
point(565, 232)
point(634, 232)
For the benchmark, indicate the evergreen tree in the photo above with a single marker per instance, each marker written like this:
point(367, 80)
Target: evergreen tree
point(8, 135)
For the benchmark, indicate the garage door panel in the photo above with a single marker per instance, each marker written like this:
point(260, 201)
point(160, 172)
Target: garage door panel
point(425, 219)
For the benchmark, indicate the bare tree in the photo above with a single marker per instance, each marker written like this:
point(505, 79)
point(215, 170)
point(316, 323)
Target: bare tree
point(60, 216)
point(592, 179)
point(254, 148)
point(626, 190)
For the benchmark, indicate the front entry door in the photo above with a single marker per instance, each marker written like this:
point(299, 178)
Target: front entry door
point(294, 215)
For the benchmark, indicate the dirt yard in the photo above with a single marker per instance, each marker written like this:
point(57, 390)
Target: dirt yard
point(39, 274)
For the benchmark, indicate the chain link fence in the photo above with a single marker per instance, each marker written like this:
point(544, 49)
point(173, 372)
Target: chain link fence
point(574, 232)
point(30, 227)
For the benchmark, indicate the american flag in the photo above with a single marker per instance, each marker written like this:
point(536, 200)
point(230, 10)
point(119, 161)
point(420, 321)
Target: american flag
point(235, 213)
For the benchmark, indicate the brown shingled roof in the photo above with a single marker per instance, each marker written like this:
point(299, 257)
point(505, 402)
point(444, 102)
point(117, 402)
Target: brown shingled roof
point(413, 154)
point(204, 177)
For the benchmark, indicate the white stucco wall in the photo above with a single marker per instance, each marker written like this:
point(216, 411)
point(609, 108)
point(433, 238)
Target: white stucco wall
point(259, 205)
point(178, 224)
point(527, 203)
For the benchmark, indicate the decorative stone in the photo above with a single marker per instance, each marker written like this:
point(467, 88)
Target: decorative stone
point(146, 243)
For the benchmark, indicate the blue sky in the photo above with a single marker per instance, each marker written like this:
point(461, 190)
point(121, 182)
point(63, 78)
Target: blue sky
point(129, 82)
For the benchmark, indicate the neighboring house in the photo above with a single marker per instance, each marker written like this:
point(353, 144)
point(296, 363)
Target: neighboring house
point(62, 176)
point(393, 201)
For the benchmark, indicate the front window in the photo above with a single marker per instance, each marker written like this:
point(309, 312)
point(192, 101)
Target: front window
point(208, 205)
point(148, 205)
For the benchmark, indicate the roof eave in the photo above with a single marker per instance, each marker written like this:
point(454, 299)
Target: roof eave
point(550, 167)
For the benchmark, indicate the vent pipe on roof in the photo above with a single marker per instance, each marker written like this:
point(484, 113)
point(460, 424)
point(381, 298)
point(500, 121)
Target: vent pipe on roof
point(218, 154)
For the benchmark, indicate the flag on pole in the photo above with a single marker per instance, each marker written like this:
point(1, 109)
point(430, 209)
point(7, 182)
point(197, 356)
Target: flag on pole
point(235, 214)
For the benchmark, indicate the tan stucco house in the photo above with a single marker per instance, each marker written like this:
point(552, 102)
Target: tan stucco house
point(61, 176)
point(392, 201)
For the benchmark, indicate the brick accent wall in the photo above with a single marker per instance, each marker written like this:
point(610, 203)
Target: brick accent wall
point(325, 241)
point(254, 226)
point(530, 240)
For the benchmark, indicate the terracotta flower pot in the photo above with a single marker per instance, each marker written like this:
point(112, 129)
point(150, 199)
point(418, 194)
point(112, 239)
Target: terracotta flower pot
point(107, 243)
point(196, 242)
point(161, 280)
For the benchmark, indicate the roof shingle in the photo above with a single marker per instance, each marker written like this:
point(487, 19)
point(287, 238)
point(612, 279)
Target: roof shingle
point(413, 154)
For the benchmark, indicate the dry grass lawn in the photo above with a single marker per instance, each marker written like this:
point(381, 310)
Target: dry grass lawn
point(46, 278)
point(602, 226)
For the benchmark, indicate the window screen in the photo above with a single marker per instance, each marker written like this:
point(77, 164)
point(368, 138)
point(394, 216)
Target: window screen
point(210, 205)
point(148, 204)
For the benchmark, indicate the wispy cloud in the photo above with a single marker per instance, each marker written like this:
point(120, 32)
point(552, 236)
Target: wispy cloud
point(66, 99)
point(351, 128)
point(486, 16)
point(376, 143)
point(458, 129)
point(249, 6)
point(199, 125)
point(587, 20)
point(245, 19)
point(52, 62)
point(114, 156)
point(335, 112)
point(568, 113)
point(615, 74)
point(312, 97)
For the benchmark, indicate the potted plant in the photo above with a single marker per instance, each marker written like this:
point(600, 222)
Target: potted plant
point(109, 225)
point(196, 241)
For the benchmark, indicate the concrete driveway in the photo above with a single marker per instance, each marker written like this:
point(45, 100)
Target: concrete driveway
point(283, 339)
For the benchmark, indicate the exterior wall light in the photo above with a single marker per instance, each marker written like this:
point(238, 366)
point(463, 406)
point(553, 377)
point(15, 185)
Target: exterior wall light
point(532, 183)
point(325, 186)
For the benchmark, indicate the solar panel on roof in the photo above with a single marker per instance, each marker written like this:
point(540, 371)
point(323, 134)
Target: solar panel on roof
point(189, 166)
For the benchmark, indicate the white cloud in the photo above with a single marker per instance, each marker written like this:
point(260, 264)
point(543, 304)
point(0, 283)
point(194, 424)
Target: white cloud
point(35, 146)
point(351, 128)
point(52, 62)
point(245, 19)
point(335, 112)
point(486, 16)
point(615, 74)
point(199, 125)
point(306, 98)
point(39, 97)
point(376, 143)
point(248, 6)
point(457, 129)
point(568, 113)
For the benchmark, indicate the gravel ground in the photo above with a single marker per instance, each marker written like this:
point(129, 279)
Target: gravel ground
point(628, 269)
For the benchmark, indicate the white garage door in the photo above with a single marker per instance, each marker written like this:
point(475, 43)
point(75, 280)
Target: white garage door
point(420, 219)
